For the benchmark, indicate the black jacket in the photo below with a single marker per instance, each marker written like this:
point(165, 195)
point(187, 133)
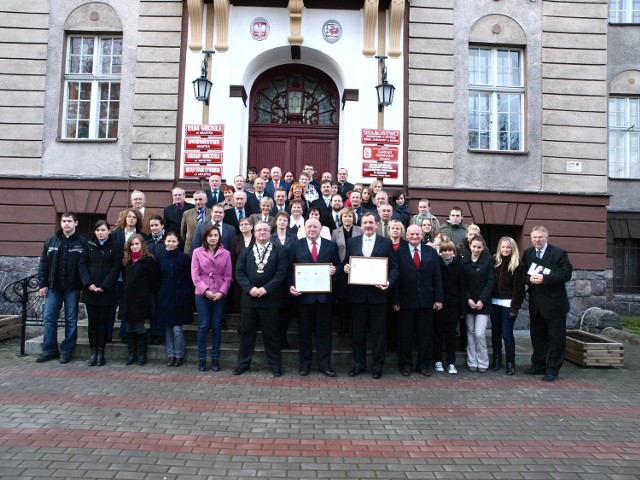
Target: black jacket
point(140, 281)
point(100, 265)
point(49, 261)
point(479, 282)
point(454, 305)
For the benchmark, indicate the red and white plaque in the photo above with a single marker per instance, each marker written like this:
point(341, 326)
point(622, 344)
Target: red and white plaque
point(377, 152)
point(198, 143)
point(389, 137)
point(202, 157)
point(379, 170)
point(202, 171)
point(204, 130)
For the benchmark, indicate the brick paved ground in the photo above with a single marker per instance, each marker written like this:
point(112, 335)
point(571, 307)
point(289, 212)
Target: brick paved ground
point(155, 422)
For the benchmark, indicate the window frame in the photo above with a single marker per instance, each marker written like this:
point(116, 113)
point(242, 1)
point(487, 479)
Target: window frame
point(96, 80)
point(624, 14)
point(623, 169)
point(626, 259)
point(493, 90)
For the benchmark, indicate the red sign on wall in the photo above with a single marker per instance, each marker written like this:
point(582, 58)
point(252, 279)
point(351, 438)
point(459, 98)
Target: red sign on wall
point(204, 130)
point(202, 171)
point(376, 152)
point(379, 170)
point(197, 143)
point(203, 157)
point(390, 137)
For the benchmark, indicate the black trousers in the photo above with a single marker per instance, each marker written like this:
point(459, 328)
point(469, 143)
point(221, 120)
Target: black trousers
point(316, 315)
point(376, 315)
point(420, 322)
point(446, 331)
point(99, 316)
point(548, 339)
point(252, 318)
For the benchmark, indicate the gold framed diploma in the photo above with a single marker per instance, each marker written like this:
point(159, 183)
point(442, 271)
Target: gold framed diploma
point(312, 277)
point(368, 270)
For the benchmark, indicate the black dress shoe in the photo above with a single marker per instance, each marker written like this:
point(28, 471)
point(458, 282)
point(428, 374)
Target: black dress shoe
point(238, 371)
point(377, 375)
point(277, 372)
point(171, 362)
point(549, 377)
point(45, 357)
point(304, 372)
point(405, 372)
point(202, 365)
point(535, 371)
point(329, 372)
point(355, 371)
point(425, 373)
point(65, 358)
point(179, 362)
point(215, 365)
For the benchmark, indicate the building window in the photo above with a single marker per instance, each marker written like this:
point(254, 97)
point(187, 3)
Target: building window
point(626, 265)
point(92, 87)
point(624, 11)
point(496, 99)
point(624, 137)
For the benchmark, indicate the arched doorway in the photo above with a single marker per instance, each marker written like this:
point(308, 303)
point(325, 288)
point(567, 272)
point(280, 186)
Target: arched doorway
point(294, 120)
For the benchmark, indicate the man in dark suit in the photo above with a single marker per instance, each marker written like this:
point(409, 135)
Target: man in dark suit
point(314, 308)
point(416, 294)
point(233, 215)
point(260, 272)
point(173, 213)
point(547, 269)
point(332, 219)
point(343, 185)
point(254, 198)
point(323, 203)
point(369, 302)
point(275, 183)
point(214, 194)
point(227, 231)
point(356, 203)
point(280, 201)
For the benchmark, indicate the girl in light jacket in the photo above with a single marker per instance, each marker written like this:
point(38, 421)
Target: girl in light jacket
point(211, 275)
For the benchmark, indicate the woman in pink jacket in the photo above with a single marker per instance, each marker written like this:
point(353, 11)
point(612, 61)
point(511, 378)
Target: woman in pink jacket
point(211, 275)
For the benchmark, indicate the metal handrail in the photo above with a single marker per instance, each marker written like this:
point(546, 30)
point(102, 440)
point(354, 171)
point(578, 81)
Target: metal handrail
point(18, 292)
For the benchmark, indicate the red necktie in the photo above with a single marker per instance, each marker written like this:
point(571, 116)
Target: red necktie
point(416, 258)
point(314, 252)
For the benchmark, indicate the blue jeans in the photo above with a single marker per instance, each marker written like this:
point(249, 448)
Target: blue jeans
point(209, 317)
point(52, 305)
point(502, 328)
point(175, 341)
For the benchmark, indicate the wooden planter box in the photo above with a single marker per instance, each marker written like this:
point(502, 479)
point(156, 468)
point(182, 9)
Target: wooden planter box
point(591, 350)
point(9, 326)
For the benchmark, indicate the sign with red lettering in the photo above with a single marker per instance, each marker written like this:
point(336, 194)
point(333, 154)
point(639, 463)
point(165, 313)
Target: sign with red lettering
point(202, 171)
point(202, 157)
point(390, 137)
point(379, 170)
point(377, 152)
point(204, 130)
point(198, 143)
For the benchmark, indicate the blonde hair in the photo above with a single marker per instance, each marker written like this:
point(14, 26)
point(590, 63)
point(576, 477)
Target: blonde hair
point(514, 261)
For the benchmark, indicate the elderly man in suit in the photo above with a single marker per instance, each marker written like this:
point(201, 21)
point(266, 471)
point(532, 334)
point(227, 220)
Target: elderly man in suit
point(191, 219)
point(174, 212)
point(232, 216)
point(343, 186)
point(416, 295)
point(369, 302)
point(314, 309)
point(275, 183)
point(261, 271)
point(214, 194)
point(139, 201)
point(547, 269)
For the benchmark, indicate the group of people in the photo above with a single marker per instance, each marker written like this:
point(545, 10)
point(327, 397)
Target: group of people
point(235, 247)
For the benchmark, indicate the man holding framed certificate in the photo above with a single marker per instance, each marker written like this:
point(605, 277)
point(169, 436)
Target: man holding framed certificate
point(315, 262)
point(372, 268)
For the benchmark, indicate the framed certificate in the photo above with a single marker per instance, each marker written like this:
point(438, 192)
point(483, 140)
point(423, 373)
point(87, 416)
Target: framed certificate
point(312, 277)
point(368, 270)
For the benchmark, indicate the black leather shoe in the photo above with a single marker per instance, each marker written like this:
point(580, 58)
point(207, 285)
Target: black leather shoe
point(549, 377)
point(215, 365)
point(377, 375)
point(65, 359)
point(329, 372)
point(202, 365)
point(304, 372)
point(535, 371)
point(179, 362)
point(511, 369)
point(355, 371)
point(425, 373)
point(45, 357)
point(171, 362)
point(238, 371)
point(405, 372)
point(277, 372)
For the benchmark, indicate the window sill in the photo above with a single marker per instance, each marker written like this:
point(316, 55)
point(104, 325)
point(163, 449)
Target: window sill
point(625, 179)
point(498, 152)
point(87, 140)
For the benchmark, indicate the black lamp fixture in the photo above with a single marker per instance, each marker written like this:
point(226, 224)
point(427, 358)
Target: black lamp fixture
point(202, 86)
point(385, 89)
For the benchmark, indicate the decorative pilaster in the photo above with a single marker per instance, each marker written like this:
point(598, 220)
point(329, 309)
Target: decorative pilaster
point(221, 13)
point(370, 17)
point(396, 17)
point(295, 19)
point(196, 11)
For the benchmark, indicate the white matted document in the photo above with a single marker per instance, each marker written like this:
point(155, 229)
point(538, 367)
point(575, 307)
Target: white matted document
point(312, 277)
point(368, 270)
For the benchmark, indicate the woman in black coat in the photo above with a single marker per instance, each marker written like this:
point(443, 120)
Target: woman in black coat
point(141, 278)
point(175, 297)
point(453, 307)
point(478, 273)
point(100, 265)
